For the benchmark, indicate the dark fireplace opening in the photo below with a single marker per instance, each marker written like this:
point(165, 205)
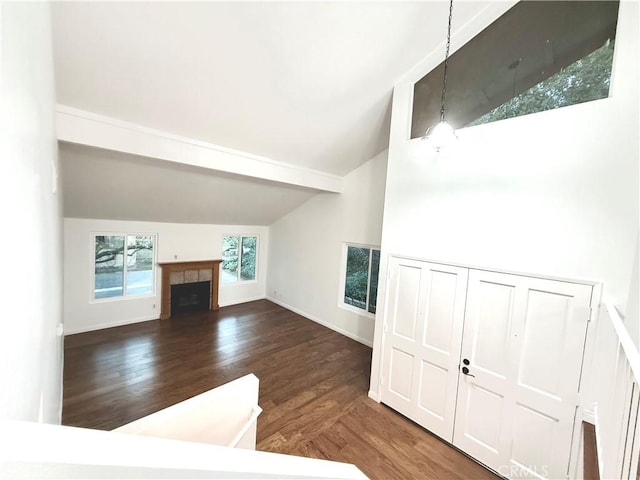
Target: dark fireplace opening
point(190, 297)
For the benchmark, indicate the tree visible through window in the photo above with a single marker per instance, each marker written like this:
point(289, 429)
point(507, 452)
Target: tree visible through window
point(123, 265)
point(361, 277)
point(583, 81)
point(537, 56)
point(239, 258)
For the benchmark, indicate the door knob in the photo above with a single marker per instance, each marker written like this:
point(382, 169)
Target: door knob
point(465, 370)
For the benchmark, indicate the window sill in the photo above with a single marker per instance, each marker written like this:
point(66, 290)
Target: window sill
point(121, 298)
point(356, 310)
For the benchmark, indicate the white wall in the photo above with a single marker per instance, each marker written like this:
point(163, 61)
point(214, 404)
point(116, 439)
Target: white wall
point(176, 242)
point(305, 253)
point(31, 281)
point(553, 193)
point(632, 314)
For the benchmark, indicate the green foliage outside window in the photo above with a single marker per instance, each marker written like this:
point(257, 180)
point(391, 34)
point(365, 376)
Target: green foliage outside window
point(361, 282)
point(238, 251)
point(248, 258)
point(583, 81)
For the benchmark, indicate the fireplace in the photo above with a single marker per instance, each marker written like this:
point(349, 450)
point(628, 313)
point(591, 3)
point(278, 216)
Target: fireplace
point(197, 284)
point(190, 297)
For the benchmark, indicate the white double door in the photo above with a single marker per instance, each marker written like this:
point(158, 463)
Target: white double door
point(520, 341)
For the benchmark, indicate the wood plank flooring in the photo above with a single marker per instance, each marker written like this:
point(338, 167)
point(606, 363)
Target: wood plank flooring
point(313, 387)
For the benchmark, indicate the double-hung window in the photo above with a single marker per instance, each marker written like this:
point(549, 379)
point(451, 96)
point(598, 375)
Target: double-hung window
point(239, 256)
point(359, 287)
point(124, 265)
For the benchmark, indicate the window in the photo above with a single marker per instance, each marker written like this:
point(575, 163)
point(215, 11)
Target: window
point(239, 258)
point(538, 56)
point(361, 277)
point(123, 265)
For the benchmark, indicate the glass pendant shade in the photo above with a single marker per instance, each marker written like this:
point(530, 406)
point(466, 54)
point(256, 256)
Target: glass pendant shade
point(441, 136)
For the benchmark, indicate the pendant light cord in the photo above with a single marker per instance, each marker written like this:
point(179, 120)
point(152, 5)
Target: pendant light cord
point(446, 63)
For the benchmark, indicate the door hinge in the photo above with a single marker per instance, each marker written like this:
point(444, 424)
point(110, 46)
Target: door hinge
point(593, 312)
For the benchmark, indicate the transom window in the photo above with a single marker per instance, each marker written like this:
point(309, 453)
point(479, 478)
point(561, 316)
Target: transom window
point(124, 265)
point(539, 55)
point(239, 253)
point(360, 278)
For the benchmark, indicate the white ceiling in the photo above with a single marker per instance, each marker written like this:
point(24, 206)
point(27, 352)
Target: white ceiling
point(112, 185)
point(306, 83)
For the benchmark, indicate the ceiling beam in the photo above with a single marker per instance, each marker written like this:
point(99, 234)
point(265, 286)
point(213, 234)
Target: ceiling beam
point(87, 128)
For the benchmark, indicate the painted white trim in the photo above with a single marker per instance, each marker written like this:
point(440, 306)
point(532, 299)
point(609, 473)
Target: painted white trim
point(343, 280)
point(144, 318)
point(87, 128)
point(244, 300)
point(589, 416)
point(321, 322)
point(154, 268)
point(255, 263)
point(117, 323)
point(630, 350)
point(577, 280)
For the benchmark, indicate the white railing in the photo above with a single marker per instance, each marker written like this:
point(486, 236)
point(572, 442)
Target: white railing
point(617, 394)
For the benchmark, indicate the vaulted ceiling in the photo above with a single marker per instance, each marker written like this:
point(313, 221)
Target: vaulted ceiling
point(304, 83)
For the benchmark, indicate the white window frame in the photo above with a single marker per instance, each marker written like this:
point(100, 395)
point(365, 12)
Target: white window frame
point(240, 236)
point(343, 277)
point(124, 296)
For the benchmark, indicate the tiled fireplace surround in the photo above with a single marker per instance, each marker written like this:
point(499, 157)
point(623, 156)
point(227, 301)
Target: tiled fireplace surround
point(175, 273)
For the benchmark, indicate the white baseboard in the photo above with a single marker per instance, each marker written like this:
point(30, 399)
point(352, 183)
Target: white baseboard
point(100, 326)
point(146, 318)
point(589, 416)
point(374, 396)
point(324, 323)
point(244, 300)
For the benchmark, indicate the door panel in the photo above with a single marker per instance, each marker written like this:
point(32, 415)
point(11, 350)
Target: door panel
point(407, 292)
point(433, 390)
point(534, 437)
point(550, 351)
point(401, 373)
point(523, 344)
point(423, 320)
point(545, 330)
point(440, 309)
point(540, 326)
point(482, 407)
point(482, 427)
point(490, 321)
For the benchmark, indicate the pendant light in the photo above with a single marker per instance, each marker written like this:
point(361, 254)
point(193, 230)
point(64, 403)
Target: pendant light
point(442, 135)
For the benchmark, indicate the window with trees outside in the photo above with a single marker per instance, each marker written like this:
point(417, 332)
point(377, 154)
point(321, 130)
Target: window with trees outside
point(123, 265)
point(538, 56)
point(361, 277)
point(239, 255)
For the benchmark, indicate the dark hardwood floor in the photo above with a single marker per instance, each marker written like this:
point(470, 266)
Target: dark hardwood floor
point(313, 387)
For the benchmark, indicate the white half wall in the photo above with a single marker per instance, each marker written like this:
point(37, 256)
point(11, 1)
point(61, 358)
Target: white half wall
point(305, 253)
point(175, 242)
point(553, 193)
point(31, 284)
